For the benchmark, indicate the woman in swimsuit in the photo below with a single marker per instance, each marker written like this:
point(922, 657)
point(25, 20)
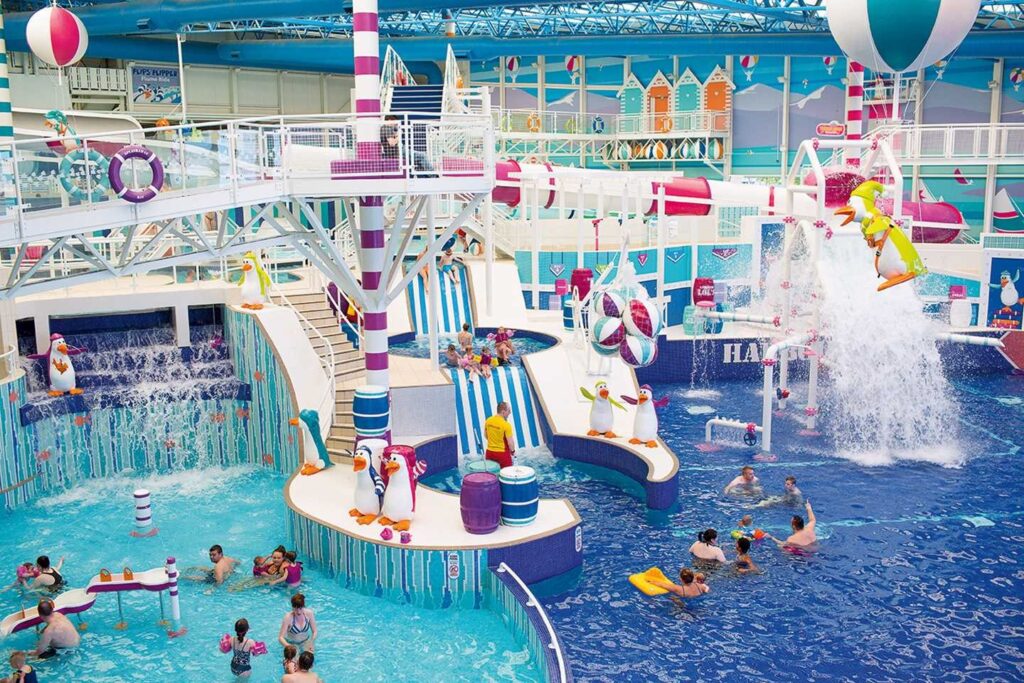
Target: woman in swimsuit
point(241, 651)
point(687, 587)
point(270, 571)
point(292, 571)
point(48, 578)
point(298, 627)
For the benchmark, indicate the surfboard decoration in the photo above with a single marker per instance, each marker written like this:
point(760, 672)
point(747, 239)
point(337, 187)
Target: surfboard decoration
point(1006, 214)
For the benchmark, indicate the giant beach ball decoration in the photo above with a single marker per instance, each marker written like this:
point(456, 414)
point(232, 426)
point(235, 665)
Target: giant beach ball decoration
point(604, 350)
point(609, 303)
point(638, 352)
point(642, 318)
point(893, 37)
point(608, 332)
point(56, 36)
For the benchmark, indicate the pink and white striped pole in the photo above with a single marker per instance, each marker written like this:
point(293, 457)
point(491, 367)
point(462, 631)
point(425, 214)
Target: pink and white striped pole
point(854, 108)
point(366, 47)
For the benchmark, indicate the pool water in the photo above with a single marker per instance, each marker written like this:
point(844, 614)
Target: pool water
point(419, 347)
point(918, 575)
point(361, 638)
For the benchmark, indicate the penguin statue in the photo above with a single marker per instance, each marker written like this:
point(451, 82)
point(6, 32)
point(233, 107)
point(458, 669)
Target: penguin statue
point(602, 419)
point(255, 282)
point(896, 259)
point(399, 504)
point(310, 419)
point(369, 491)
point(861, 205)
point(60, 369)
point(645, 423)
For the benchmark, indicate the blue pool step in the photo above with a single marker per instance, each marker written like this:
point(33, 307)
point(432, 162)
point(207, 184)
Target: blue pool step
point(476, 401)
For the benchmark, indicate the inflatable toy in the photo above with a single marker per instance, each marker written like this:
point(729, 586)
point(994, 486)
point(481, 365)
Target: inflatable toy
point(638, 352)
point(369, 490)
point(56, 36)
point(608, 332)
point(642, 318)
point(387, 534)
point(642, 581)
point(894, 37)
point(602, 419)
point(96, 167)
point(645, 423)
point(117, 184)
point(896, 258)
point(759, 534)
point(736, 533)
point(399, 504)
point(254, 282)
point(480, 359)
point(310, 420)
point(609, 303)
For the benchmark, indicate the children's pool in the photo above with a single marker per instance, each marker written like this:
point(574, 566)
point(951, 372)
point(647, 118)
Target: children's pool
point(918, 576)
point(361, 638)
point(419, 347)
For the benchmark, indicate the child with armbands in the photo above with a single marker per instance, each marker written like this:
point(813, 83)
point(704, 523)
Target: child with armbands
point(27, 572)
point(242, 649)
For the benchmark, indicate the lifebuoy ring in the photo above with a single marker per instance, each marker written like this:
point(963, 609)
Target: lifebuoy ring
point(120, 188)
point(67, 170)
point(533, 123)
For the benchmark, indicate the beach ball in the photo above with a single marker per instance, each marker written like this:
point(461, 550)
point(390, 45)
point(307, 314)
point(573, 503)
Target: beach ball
point(608, 332)
point(625, 151)
point(642, 318)
point(609, 303)
point(56, 36)
point(894, 37)
point(638, 352)
point(627, 292)
point(659, 150)
point(604, 350)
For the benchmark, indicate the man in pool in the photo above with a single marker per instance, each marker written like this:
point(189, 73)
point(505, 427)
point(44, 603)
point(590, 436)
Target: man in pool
point(745, 483)
point(58, 634)
point(803, 532)
point(222, 566)
point(498, 433)
point(791, 495)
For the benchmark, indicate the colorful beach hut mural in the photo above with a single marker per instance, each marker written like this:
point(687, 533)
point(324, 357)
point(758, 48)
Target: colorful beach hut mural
point(632, 97)
point(718, 99)
point(659, 103)
point(688, 102)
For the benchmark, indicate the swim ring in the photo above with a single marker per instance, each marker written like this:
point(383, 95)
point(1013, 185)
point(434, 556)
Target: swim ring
point(96, 165)
point(121, 189)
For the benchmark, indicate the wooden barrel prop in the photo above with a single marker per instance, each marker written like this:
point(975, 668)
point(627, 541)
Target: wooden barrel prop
point(480, 501)
point(371, 412)
point(519, 495)
point(581, 279)
point(483, 466)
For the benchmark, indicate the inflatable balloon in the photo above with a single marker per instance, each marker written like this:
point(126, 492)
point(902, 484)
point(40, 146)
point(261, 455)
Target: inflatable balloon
point(1016, 77)
point(56, 36)
point(638, 352)
point(829, 63)
point(608, 332)
point(893, 37)
point(642, 318)
point(604, 350)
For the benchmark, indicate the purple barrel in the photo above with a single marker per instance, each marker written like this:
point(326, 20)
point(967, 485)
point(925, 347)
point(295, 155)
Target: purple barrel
point(481, 502)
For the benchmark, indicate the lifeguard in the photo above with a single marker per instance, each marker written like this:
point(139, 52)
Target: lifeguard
point(498, 433)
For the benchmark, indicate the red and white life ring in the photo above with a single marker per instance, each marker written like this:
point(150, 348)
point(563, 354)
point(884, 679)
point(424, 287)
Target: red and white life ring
point(131, 194)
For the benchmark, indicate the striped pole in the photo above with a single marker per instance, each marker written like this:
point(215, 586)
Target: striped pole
point(854, 108)
point(10, 198)
point(366, 48)
point(172, 577)
point(143, 515)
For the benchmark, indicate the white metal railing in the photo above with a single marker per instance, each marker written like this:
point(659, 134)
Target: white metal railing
point(393, 72)
point(8, 361)
point(532, 602)
point(981, 143)
point(327, 359)
point(240, 153)
point(667, 125)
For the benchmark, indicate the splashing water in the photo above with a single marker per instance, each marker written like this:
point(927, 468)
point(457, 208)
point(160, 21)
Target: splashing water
point(885, 393)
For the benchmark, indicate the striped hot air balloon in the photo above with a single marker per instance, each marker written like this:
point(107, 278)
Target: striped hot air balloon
point(893, 37)
point(572, 65)
point(830, 63)
point(748, 63)
point(512, 67)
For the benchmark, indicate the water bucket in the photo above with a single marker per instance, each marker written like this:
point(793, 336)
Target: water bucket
point(480, 500)
point(519, 495)
point(580, 280)
point(567, 323)
point(371, 412)
point(483, 466)
point(704, 292)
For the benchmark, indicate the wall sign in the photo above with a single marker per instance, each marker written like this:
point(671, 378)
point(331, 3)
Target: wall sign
point(156, 85)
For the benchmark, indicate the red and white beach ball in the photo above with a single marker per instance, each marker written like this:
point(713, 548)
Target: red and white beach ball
point(638, 352)
point(57, 36)
point(608, 332)
point(642, 318)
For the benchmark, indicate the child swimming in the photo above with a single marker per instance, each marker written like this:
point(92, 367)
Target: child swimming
point(241, 651)
point(290, 654)
point(688, 586)
point(744, 565)
point(26, 574)
point(292, 571)
point(485, 362)
point(23, 673)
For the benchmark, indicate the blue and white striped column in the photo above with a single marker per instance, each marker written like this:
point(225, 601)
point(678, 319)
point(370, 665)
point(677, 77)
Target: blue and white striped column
point(366, 47)
point(6, 125)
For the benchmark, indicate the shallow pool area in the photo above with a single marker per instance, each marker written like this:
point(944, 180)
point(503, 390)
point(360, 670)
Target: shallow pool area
point(361, 637)
point(419, 346)
point(917, 576)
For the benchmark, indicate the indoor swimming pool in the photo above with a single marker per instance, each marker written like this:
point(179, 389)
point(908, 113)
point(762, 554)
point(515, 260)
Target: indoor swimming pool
point(915, 576)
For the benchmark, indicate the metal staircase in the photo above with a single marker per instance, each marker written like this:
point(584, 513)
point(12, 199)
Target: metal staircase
point(418, 101)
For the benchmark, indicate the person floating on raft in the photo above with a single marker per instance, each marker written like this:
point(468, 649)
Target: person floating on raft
point(896, 259)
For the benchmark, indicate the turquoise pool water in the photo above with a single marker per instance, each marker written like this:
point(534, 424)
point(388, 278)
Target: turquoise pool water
point(361, 638)
point(419, 347)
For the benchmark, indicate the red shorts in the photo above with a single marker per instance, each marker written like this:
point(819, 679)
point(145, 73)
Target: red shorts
point(503, 458)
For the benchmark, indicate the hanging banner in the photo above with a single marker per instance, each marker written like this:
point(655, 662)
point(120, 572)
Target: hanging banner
point(156, 85)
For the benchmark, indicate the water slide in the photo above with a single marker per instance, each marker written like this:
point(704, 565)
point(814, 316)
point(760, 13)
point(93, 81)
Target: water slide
point(694, 197)
point(454, 302)
point(80, 599)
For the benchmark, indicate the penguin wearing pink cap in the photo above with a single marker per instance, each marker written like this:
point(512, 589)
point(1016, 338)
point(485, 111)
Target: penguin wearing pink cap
point(59, 366)
point(645, 424)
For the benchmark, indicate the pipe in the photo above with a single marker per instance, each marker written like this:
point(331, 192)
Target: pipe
point(731, 424)
point(969, 339)
point(771, 356)
point(737, 317)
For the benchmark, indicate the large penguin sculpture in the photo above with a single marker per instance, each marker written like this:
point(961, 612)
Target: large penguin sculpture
point(861, 205)
point(59, 368)
point(399, 503)
point(602, 419)
point(310, 419)
point(369, 490)
point(255, 282)
point(896, 259)
point(645, 423)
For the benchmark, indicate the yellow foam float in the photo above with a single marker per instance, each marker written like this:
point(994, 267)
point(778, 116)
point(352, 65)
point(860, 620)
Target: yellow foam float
point(642, 581)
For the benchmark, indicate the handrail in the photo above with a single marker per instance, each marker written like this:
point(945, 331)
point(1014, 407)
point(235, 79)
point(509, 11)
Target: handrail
point(328, 363)
point(531, 601)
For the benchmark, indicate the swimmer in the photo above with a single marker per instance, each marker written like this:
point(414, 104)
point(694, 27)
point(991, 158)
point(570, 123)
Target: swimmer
point(303, 675)
point(298, 627)
point(746, 525)
point(504, 352)
point(59, 633)
point(222, 566)
point(448, 266)
point(271, 568)
point(485, 362)
point(452, 357)
point(291, 653)
point(469, 364)
point(791, 495)
point(47, 578)
point(23, 673)
point(27, 572)
point(292, 571)
point(705, 548)
point(744, 565)
point(746, 482)
point(803, 532)
point(688, 586)
point(241, 651)
point(465, 337)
